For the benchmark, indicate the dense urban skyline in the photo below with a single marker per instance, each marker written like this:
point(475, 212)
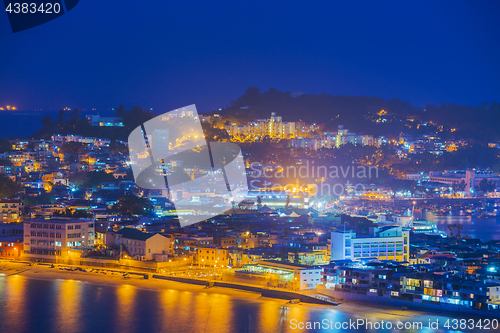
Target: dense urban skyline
point(250, 167)
point(179, 54)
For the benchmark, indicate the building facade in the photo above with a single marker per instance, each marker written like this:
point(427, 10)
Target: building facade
point(388, 243)
point(213, 256)
point(138, 245)
point(57, 235)
point(11, 210)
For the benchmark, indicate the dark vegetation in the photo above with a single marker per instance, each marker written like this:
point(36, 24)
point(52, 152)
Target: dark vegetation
point(360, 114)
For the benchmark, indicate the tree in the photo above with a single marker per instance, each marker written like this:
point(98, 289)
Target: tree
point(8, 187)
point(45, 198)
point(486, 186)
point(213, 134)
point(284, 253)
point(130, 204)
point(259, 202)
point(5, 162)
point(97, 177)
point(72, 147)
point(76, 213)
point(46, 120)
point(118, 148)
point(459, 187)
point(458, 234)
point(79, 179)
point(83, 180)
point(133, 117)
point(74, 115)
point(296, 259)
point(120, 111)
point(60, 116)
point(5, 145)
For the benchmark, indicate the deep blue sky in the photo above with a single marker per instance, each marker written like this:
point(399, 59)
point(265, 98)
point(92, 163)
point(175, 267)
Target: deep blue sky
point(167, 54)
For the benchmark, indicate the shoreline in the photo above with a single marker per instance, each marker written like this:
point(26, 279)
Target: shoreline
point(42, 272)
point(361, 310)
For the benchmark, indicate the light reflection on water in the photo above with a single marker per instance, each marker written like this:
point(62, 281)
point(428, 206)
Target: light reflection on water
point(125, 307)
point(29, 305)
point(15, 293)
point(475, 227)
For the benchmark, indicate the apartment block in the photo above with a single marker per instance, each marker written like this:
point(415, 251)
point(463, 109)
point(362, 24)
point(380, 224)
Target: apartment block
point(11, 210)
point(387, 243)
point(57, 235)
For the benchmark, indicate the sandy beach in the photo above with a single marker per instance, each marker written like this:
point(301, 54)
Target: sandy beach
point(42, 272)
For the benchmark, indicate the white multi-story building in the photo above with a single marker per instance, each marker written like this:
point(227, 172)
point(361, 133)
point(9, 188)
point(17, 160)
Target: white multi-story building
point(333, 140)
point(57, 235)
point(387, 243)
point(470, 178)
point(91, 142)
point(273, 127)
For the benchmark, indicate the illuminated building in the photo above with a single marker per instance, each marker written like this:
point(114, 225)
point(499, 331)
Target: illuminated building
point(19, 144)
point(273, 127)
point(333, 140)
point(59, 140)
point(470, 178)
point(11, 246)
point(138, 245)
point(10, 210)
point(11, 240)
point(290, 276)
point(97, 120)
point(17, 158)
point(213, 256)
point(308, 257)
point(189, 245)
point(56, 236)
point(387, 243)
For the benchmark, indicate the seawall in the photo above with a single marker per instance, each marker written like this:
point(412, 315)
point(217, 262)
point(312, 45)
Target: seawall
point(415, 305)
point(271, 293)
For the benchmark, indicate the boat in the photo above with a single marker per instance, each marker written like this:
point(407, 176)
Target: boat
point(493, 213)
point(426, 228)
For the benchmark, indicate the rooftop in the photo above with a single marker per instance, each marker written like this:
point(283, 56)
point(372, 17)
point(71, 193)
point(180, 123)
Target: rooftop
point(135, 234)
point(52, 219)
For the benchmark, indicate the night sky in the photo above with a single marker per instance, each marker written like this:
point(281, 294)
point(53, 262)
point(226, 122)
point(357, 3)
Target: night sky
point(168, 54)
